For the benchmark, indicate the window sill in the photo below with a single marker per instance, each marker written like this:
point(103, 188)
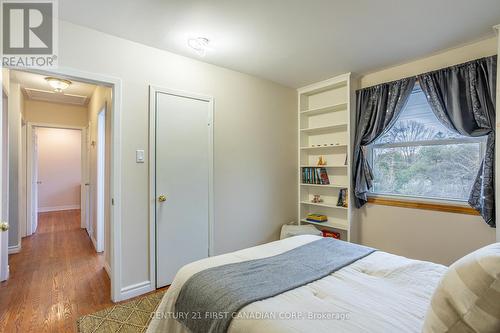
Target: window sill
point(420, 204)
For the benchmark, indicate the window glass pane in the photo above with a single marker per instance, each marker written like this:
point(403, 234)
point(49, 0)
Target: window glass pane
point(417, 122)
point(420, 157)
point(435, 171)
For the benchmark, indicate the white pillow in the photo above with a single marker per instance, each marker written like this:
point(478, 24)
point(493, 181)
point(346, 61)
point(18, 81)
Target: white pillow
point(467, 298)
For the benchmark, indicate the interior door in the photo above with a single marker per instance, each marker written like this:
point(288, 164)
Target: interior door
point(35, 182)
point(4, 188)
point(88, 185)
point(182, 183)
point(101, 160)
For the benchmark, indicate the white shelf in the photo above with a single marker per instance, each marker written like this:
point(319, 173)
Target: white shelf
point(321, 185)
point(325, 114)
point(323, 147)
point(325, 109)
point(323, 205)
point(329, 224)
point(324, 166)
point(324, 128)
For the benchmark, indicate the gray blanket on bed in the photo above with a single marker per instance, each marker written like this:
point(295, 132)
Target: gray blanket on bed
point(209, 299)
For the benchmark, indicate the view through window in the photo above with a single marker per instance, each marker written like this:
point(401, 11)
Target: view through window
point(420, 157)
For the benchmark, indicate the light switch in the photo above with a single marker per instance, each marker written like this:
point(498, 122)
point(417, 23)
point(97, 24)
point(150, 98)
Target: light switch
point(139, 156)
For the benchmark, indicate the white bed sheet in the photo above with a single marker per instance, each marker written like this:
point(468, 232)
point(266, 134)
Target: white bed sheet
point(380, 293)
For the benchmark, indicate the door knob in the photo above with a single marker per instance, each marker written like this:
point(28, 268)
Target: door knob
point(4, 226)
point(162, 198)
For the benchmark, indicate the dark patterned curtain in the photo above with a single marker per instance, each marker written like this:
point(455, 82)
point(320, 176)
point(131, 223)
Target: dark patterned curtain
point(463, 99)
point(376, 110)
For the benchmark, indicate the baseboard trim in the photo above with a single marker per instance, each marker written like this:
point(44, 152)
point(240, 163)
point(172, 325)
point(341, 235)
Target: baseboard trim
point(107, 269)
point(136, 290)
point(14, 249)
point(57, 208)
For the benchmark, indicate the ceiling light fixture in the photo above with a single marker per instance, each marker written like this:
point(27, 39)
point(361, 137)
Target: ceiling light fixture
point(58, 84)
point(200, 45)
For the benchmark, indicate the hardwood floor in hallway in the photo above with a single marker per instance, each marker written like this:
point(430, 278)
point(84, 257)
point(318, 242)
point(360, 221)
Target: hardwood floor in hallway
point(56, 278)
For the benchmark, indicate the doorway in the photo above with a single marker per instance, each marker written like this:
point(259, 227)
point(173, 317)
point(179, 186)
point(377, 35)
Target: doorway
point(55, 170)
point(181, 148)
point(108, 89)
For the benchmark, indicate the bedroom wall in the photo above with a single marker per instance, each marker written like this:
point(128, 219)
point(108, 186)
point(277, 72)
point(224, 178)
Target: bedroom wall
point(421, 234)
point(255, 149)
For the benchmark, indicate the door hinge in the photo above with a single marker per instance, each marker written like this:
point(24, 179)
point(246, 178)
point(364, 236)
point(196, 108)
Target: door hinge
point(112, 201)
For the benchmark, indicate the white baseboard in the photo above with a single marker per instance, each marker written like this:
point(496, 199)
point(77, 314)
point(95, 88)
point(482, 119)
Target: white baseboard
point(107, 269)
point(57, 208)
point(14, 249)
point(136, 290)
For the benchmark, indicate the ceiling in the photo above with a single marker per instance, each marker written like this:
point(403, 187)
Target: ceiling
point(35, 87)
point(294, 42)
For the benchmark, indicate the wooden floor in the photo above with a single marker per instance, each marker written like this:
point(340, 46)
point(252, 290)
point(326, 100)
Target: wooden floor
point(56, 278)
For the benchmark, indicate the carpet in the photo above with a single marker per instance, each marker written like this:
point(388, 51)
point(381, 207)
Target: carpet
point(132, 316)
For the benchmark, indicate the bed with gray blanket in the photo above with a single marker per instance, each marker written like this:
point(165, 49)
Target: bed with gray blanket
point(300, 284)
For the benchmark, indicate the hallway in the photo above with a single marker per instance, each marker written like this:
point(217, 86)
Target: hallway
point(56, 278)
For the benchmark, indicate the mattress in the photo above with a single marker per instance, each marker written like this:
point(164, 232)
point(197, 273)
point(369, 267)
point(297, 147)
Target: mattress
point(379, 293)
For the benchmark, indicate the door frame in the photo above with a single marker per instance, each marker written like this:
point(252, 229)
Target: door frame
point(30, 126)
point(153, 91)
point(117, 292)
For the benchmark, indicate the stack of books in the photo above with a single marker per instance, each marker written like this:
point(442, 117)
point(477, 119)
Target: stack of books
point(316, 218)
point(317, 176)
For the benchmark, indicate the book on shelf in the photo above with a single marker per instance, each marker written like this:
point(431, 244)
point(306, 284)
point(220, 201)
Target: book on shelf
point(332, 234)
point(315, 175)
point(316, 218)
point(343, 199)
point(323, 175)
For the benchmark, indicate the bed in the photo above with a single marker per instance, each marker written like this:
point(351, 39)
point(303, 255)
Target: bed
point(380, 292)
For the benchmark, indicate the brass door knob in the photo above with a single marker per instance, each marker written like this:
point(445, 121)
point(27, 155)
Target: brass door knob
point(4, 226)
point(162, 198)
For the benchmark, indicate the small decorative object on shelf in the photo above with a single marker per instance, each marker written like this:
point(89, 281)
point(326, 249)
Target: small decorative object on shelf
point(332, 234)
point(343, 199)
point(321, 161)
point(316, 198)
point(317, 218)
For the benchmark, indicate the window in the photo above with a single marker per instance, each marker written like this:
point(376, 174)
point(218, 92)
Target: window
point(419, 157)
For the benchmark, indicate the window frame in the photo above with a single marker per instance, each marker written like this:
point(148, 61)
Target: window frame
point(423, 202)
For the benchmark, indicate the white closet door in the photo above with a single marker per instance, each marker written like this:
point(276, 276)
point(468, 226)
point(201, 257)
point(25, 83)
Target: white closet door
point(182, 176)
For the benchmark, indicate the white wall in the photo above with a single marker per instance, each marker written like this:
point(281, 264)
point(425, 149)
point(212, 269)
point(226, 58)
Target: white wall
point(55, 113)
point(255, 141)
point(428, 235)
point(59, 169)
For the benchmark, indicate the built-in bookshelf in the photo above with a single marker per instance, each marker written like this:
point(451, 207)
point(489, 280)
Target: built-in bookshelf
point(325, 117)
